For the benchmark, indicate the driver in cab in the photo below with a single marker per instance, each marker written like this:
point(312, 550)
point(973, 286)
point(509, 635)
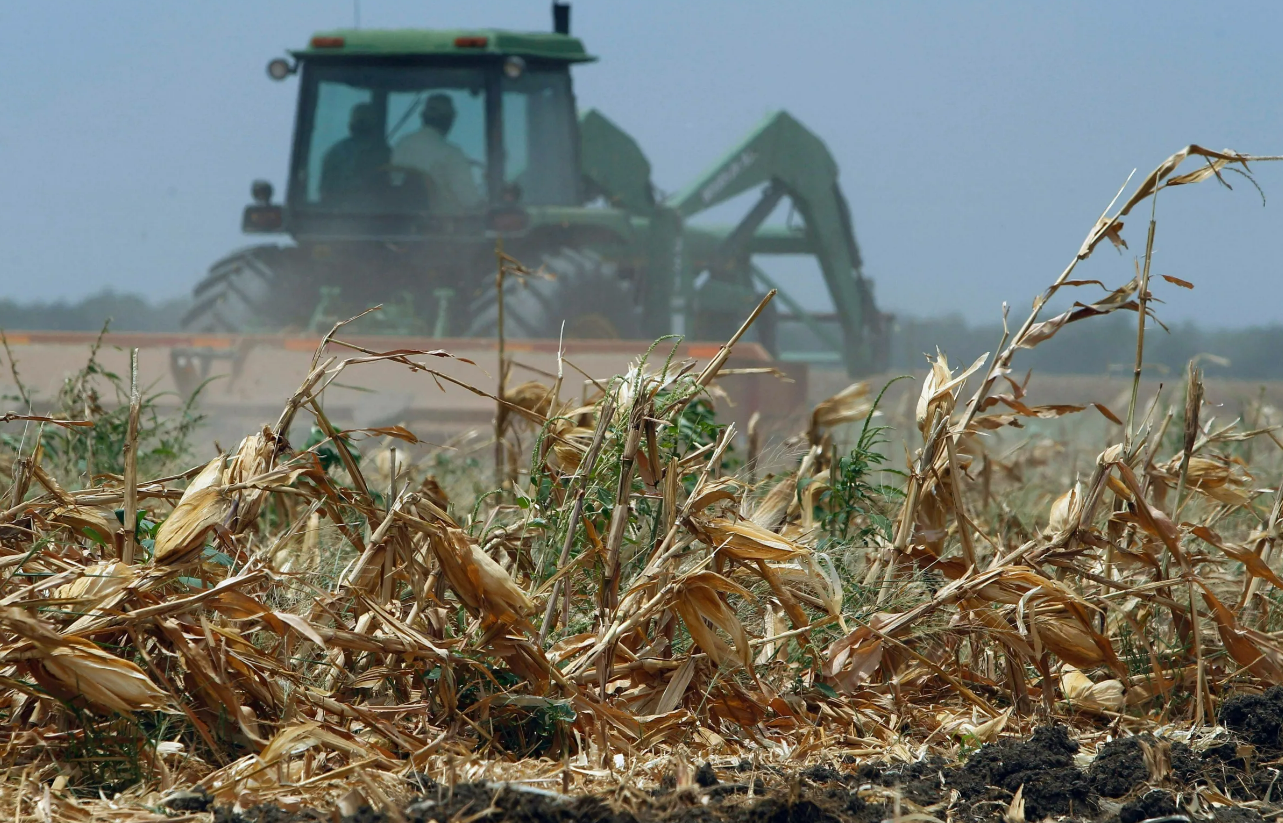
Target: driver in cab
point(453, 189)
point(349, 169)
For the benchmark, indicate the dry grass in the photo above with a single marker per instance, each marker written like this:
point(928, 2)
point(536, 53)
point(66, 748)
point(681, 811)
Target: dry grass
point(302, 624)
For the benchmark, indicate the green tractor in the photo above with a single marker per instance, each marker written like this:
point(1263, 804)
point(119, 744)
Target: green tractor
point(417, 151)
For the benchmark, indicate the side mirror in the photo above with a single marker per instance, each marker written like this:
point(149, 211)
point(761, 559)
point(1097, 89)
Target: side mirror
point(263, 220)
point(262, 217)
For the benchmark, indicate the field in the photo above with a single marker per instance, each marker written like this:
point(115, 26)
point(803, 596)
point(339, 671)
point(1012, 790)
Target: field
point(971, 596)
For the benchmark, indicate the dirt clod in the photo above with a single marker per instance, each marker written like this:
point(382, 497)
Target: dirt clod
point(1118, 768)
point(267, 813)
point(823, 773)
point(196, 800)
point(366, 814)
point(1257, 718)
point(1153, 803)
point(922, 782)
point(1043, 765)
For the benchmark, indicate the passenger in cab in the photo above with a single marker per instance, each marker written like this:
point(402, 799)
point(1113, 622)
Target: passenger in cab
point(452, 188)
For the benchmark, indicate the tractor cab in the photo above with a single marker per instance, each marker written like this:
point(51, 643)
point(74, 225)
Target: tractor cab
point(419, 133)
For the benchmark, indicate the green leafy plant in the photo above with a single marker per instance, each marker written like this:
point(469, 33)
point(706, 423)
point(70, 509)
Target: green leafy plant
point(855, 503)
point(101, 396)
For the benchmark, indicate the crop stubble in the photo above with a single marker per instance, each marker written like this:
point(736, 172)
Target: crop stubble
point(317, 628)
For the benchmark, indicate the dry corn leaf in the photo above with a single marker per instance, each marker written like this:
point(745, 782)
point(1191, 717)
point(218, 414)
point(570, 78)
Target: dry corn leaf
point(1151, 520)
point(1084, 694)
point(814, 572)
point(847, 406)
point(82, 668)
point(1015, 811)
point(989, 731)
point(481, 583)
point(104, 679)
point(773, 507)
point(532, 396)
point(568, 648)
point(395, 432)
point(1255, 651)
point(675, 690)
point(1256, 567)
point(745, 540)
point(97, 583)
point(1064, 510)
point(97, 522)
point(940, 389)
point(301, 626)
point(698, 602)
point(1158, 179)
point(852, 659)
point(1118, 299)
point(1224, 479)
point(710, 492)
point(296, 737)
point(963, 725)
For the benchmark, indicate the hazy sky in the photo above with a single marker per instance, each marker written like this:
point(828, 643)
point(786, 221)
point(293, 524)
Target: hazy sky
point(977, 141)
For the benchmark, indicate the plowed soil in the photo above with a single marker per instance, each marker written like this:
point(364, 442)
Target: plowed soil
point(1130, 780)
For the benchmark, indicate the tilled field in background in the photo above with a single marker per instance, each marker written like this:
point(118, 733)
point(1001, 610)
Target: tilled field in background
point(617, 608)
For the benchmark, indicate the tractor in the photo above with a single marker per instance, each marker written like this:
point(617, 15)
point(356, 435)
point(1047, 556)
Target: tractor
point(416, 153)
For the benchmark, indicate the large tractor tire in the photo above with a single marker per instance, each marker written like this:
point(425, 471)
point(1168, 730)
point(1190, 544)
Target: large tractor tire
point(585, 292)
point(249, 290)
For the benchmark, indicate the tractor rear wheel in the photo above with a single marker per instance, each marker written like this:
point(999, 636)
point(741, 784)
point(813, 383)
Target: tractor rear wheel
point(585, 292)
point(249, 290)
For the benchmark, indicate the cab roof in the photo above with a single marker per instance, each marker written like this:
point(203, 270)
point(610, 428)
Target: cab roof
point(408, 42)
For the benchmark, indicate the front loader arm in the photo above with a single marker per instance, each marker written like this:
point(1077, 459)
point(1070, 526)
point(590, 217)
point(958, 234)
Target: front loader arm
point(789, 160)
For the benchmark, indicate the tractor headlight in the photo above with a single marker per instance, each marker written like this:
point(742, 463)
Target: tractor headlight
point(514, 67)
point(280, 68)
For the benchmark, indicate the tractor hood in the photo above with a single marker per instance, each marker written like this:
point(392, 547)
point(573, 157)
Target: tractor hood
point(442, 42)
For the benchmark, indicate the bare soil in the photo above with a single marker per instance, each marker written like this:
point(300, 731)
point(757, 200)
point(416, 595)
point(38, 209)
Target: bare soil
point(1130, 780)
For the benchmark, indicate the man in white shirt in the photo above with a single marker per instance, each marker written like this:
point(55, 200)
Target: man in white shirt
point(453, 189)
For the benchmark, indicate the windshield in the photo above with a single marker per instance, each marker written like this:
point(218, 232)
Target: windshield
point(393, 138)
point(539, 139)
point(396, 138)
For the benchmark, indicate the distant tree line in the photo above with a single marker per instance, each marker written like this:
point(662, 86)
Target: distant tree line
point(127, 312)
point(1103, 344)
point(1095, 346)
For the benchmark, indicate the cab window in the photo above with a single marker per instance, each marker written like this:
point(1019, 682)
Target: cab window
point(538, 139)
point(389, 138)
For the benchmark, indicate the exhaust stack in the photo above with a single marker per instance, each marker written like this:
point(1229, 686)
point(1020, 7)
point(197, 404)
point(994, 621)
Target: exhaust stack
point(561, 18)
